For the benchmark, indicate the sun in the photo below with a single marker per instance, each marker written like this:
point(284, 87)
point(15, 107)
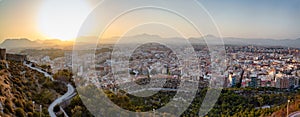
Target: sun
point(61, 19)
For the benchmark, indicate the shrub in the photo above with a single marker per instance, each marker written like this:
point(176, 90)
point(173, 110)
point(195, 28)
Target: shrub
point(63, 75)
point(36, 114)
point(19, 103)
point(30, 114)
point(29, 106)
point(20, 112)
point(9, 106)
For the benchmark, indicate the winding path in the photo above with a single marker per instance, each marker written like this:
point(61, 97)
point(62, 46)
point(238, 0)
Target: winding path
point(70, 93)
point(39, 70)
point(295, 114)
point(61, 99)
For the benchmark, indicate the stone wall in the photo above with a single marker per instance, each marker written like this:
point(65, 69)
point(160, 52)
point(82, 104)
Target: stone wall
point(11, 57)
point(2, 54)
point(16, 57)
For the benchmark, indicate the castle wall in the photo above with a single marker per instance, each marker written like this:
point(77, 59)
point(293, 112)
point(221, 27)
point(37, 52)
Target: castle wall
point(2, 54)
point(11, 57)
point(16, 57)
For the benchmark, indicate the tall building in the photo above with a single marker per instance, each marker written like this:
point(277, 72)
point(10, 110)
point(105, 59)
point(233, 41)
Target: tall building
point(253, 82)
point(282, 82)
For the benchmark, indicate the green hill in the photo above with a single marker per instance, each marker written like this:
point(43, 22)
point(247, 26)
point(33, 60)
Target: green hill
point(20, 87)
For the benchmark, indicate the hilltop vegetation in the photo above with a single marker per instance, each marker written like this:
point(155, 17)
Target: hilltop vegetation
point(23, 90)
point(233, 102)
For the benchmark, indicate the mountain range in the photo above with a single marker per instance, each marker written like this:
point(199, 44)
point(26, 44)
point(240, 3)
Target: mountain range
point(295, 43)
point(56, 43)
point(27, 43)
point(214, 40)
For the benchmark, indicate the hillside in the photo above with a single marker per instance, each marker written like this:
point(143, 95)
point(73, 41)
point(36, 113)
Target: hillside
point(20, 87)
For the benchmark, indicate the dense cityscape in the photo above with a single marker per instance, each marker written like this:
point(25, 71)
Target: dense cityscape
point(274, 68)
point(247, 66)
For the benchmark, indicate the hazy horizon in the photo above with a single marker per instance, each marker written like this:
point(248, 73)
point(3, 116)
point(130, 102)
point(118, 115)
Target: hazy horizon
point(134, 39)
point(148, 34)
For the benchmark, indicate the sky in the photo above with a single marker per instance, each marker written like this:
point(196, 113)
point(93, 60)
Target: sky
point(277, 19)
point(62, 19)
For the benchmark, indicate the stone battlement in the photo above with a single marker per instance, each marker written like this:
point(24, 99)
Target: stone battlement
point(2, 54)
point(12, 57)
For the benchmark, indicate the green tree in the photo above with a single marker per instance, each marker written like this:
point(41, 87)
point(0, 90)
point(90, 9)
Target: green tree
point(77, 111)
point(30, 114)
point(9, 106)
point(63, 75)
point(20, 112)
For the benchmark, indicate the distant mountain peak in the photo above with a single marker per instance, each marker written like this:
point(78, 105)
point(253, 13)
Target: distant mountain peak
point(27, 43)
point(14, 43)
point(210, 36)
point(145, 35)
point(18, 39)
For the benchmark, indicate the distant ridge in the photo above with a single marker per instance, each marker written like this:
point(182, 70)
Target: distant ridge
point(26, 43)
point(18, 43)
point(55, 43)
point(295, 43)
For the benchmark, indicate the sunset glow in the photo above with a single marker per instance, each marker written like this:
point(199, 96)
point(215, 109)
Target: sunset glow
point(61, 21)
